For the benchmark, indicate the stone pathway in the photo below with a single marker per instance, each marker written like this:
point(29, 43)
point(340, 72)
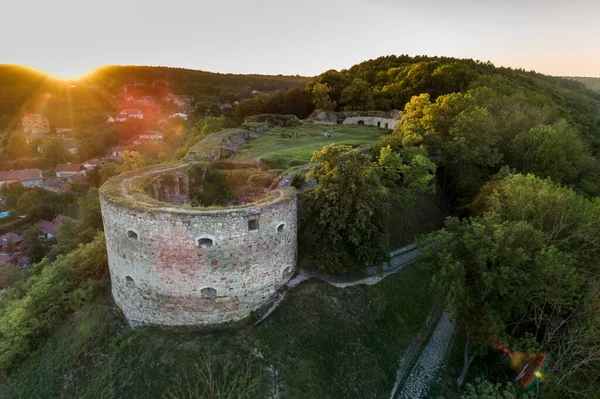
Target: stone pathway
point(399, 259)
point(428, 367)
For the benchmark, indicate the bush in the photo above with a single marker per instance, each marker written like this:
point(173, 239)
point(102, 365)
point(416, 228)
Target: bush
point(33, 309)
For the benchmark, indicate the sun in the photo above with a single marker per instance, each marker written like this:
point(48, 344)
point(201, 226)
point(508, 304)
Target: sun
point(65, 72)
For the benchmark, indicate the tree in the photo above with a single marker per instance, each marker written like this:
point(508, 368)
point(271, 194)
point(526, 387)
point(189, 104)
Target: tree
point(9, 274)
point(90, 213)
point(17, 146)
point(358, 96)
point(34, 246)
point(495, 275)
point(550, 151)
point(53, 153)
point(410, 167)
point(107, 171)
point(484, 389)
point(344, 226)
point(320, 94)
point(132, 160)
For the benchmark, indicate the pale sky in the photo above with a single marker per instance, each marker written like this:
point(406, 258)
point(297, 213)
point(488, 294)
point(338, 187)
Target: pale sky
point(305, 37)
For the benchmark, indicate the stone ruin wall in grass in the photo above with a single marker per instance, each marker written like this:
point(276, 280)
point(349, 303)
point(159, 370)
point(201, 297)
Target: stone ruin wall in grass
point(177, 265)
point(386, 120)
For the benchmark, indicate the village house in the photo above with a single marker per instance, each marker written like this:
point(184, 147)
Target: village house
point(56, 186)
point(35, 123)
point(180, 115)
point(37, 137)
point(151, 135)
point(130, 113)
point(69, 169)
point(27, 177)
point(49, 229)
point(71, 145)
point(148, 101)
point(62, 131)
point(116, 151)
point(77, 179)
point(148, 135)
point(181, 101)
point(10, 239)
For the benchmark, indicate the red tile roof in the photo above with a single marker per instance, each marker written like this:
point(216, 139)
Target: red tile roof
point(10, 236)
point(69, 167)
point(21, 175)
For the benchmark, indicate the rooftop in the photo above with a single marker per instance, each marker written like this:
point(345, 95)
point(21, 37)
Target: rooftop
point(69, 167)
point(21, 175)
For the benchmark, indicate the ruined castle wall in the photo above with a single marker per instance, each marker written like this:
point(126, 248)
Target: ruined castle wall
point(388, 123)
point(165, 271)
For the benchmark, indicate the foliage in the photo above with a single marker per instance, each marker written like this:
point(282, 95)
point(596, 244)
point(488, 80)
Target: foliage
point(344, 222)
point(294, 101)
point(53, 153)
point(320, 97)
point(89, 210)
point(485, 389)
point(132, 160)
point(550, 151)
point(9, 274)
point(519, 274)
point(34, 246)
point(214, 378)
point(409, 167)
point(30, 311)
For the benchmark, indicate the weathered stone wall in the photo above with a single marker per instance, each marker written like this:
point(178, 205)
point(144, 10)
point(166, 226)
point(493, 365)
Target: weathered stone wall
point(386, 123)
point(386, 120)
point(191, 266)
point(172, 264)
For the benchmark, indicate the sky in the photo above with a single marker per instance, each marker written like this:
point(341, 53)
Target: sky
point(68, 38)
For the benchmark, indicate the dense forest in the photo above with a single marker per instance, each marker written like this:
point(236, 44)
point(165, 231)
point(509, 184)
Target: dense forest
point(591, 83)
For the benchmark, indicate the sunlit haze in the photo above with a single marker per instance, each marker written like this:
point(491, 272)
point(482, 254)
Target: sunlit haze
point(68, 38)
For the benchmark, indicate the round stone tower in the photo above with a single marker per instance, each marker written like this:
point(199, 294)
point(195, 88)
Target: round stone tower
point(174, 264)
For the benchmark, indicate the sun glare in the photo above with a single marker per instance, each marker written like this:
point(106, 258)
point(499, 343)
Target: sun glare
point(64, 73)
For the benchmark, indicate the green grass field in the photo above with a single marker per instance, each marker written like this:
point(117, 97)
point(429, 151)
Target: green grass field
point(284, 152)
point(324, 342)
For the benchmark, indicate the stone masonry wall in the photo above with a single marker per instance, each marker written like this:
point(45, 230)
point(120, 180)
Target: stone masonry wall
point(387, 123)
point(165, 272)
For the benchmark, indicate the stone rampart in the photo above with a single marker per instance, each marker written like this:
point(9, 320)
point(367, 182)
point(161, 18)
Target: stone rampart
point(385, 120)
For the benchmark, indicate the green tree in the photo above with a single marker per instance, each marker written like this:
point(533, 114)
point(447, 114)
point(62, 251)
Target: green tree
point(89, 211)
point(358, 96)
point(132, 160)
point(34, 246)
point(550, 151)
point(320, 94)
point(17, 146)
point(494, 273)
point(9, 274)
point(107, 171)
point(53, 153)
point(344, 226)
point(482, 388)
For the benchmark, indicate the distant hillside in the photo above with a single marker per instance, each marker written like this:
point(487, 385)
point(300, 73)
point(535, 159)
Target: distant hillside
point(88, 101)
point(590, 83)
point(389, 82)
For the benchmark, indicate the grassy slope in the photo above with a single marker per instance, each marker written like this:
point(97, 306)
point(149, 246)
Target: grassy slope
point(282, 153)
point(324, 342)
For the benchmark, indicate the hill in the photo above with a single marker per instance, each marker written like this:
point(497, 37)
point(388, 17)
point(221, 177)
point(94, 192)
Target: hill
point(589, 82)
point(89, 100)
